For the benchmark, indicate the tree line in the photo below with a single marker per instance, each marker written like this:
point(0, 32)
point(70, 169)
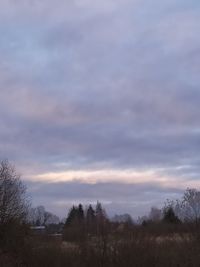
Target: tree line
point(86, 225)
point(88, 221)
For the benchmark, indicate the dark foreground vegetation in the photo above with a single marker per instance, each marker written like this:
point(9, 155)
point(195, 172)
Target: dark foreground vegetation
point(138, 246)
point(88, 238)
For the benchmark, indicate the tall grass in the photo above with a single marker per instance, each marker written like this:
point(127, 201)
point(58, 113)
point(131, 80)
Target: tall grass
point(156, 245)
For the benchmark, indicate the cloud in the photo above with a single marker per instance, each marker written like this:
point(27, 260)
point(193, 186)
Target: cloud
point(135, 199)
point(90, 86)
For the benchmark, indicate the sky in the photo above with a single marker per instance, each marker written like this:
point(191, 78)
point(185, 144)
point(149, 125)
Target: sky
point(99, 100)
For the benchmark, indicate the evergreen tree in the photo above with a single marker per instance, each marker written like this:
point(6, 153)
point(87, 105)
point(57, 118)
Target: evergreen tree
point(90, 215)
point(170, 217)
point(71, 216)
point(74, 226)
point(90, 219)
point(80, 213)
point(100, 213)
point(101, 219)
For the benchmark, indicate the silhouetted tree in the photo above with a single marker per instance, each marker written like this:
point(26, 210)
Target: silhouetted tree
point(80, 213)
point(13, 199)
point(155, 214)
point(90, 219)
point(39, 216)
point(74, 229)
point(169, 216)
point(191, 205)
point(90, 215)
point(71, 216)
point(100, 212)
point(14, 204)
point(188, 207)
point(101, 220)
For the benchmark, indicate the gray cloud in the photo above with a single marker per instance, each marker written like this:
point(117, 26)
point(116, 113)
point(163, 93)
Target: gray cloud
point(115, 197)
point(100, 84)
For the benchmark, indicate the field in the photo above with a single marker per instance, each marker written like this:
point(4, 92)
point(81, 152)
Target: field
point(138, 246)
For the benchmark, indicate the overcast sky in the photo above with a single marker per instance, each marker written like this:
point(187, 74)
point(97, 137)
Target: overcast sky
point(100, 100)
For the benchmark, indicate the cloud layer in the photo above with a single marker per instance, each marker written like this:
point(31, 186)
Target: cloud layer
point(91, 86)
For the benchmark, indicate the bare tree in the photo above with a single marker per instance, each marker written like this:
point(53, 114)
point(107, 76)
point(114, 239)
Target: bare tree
point(13, 199)
point(39, 216)
point(191, 205)
point(188, 207)
point(155, 214)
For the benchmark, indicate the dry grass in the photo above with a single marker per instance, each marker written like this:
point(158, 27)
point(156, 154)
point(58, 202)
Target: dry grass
point(137, 247)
